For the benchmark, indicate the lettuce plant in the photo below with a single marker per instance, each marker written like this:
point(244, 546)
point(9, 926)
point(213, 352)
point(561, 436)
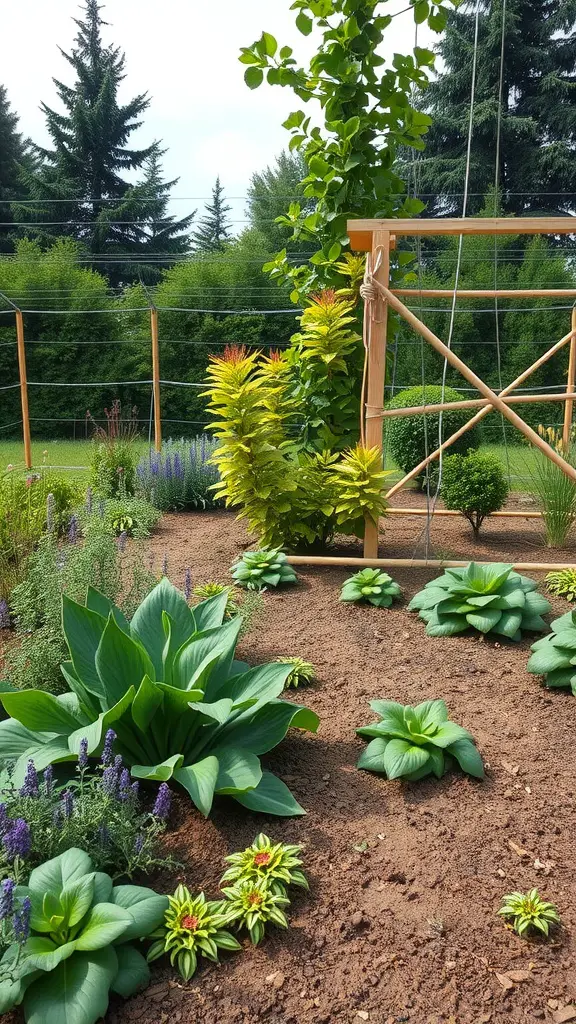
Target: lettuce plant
point(554, 656)
point(278, 863)
point(411, 743)
point(490, 598)
point(79, 942)
point(563, 583)
point(370, 585)
point(192, 928)
point(182, 708)
point(529, 912)
point(265, 568)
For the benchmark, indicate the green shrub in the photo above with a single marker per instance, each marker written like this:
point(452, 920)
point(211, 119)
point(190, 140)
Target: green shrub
point(134, 517)
point(475, 485)
point(181, 706)
point(411, 743)
point(412, 438)
point(530, 912)
point(370, 585)
point(489, 598)
point(79, 932)
point(554, 655)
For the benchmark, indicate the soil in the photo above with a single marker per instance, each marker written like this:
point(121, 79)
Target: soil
point(405, 878)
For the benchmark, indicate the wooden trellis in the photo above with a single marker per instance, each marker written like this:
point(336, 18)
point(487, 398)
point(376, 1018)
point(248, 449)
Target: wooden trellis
point(378, 238)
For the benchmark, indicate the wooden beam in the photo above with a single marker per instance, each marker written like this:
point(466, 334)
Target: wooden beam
point(23, 389)
point(487, 293)
point(393, 510)
point(417, 563)
point(473, 403)
point(360, 231)
point(479, 384)
point(567, 428)
point(376, 368)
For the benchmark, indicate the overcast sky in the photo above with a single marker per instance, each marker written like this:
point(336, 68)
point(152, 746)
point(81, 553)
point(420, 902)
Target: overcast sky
point(184, 53)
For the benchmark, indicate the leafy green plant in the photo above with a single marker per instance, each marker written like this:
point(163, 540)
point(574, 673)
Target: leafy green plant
point(488, 598)
point(207, 590)
point(278, 863)
point(358, 482)
point(268, 567)
point(134, 517)
point(555, 494)
point(563, 583)
point(181, 706)
point(370, 585)
point(252, 903)
point(301, 671)
point(554, 655)
point(193, 927)
point(475, 485)
point(530, 912)
point(412, 743)
point(412, 438)
point(114, 456)
point(80, 947)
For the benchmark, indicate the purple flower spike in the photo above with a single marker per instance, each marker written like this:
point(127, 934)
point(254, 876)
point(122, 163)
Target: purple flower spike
point(163, 800)
point(103, 835)
point(48, 780)
point(107, 751)
point(138, 844)
point(110, 781)
point(122, 542)
point(4, 615)
point(21, 921)
point(30, 786)
point(188, 584)
point(16, 840)
point(73, 529)
point(83, 754)
point(67, 803)
point(7, 898)
point(124, 785)
point(4, 819)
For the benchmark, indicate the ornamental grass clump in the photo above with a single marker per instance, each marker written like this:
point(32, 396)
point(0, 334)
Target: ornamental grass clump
point(278, 863)
point(193, 927)
point(371, 585)
point(488, 598)
point(529, 912)
point(411, 743)
point(562, 583)
point(301, 671)
point(268, 567)
point(554, 655)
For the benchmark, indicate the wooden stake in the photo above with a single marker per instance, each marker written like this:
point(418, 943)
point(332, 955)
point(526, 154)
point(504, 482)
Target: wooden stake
point(417, 563)
point(506, 514)
point(567, 431)
point(376, 367)
point(156, 379)
point(23, 389)
point(479, 415)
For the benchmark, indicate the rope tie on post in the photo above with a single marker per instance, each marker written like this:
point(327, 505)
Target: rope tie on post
point(370, 293)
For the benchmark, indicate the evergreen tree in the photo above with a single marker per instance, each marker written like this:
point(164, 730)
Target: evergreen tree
point(80, 184)
point(214, 228)
point(12, 154)
point(538, 114)
point(270, 192)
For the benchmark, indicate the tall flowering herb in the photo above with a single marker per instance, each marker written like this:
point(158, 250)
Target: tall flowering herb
point(30, 784)
point(181, 476)
point(48, 778)
point(16, 840)
point(67, 803)
point(73, 529)
point(108, 748)
point(83, 755)
point(21, 921)
point(163, 801)
point(7, 898)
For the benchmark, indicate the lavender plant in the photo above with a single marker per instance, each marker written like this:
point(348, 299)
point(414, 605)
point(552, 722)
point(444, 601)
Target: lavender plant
point(181, 476)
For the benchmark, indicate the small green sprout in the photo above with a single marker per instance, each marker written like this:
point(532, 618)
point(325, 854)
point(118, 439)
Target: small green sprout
point(207, 590)
point(268, 567)
point(529, 912)
point(252, 903)
point(370, 585)
point(277, 863)
point(192, 927)
point(302, 671)
point(562, 583)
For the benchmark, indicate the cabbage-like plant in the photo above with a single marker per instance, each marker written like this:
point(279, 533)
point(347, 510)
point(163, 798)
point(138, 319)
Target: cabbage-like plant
point(268, 567)
point(370, 585)
point(182, 708)
point(80, 943)
point(411, 743)
point(489, 598)
point(554, 656)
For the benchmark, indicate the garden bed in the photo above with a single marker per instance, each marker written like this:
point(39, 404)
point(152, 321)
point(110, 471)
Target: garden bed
point(400, 923)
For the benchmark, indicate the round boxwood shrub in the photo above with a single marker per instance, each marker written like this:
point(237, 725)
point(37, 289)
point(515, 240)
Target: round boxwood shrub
point(407, 435)
point(475, 485)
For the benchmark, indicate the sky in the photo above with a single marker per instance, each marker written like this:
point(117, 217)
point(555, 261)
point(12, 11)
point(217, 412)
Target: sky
point(184, 53)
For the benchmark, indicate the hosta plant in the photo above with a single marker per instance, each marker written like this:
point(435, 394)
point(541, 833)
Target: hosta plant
point(265, 568)
point(300, 671)
point(411, 743)
point(80, 942)
point(167, 682)
point(563, 583)
point(193, 927)
point(252, 903)
point(278, 863)
point(554, 655)
point(529, 912)
point(370, 585)
point(488, 598)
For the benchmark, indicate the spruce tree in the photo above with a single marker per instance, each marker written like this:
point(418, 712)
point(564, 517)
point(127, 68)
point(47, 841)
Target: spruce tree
point(538, 116)
point(213, 229)
point(12, 155)
point(270, 193)
point(81, 179)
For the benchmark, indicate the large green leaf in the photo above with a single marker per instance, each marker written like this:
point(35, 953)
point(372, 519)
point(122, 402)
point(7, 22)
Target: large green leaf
point(271, 796)
point(83, 629)
point(105, 923)
point(217, 643)
point(42, 752)
point(485, 620)
point(403, 758)
point(133, 972)
point(95, 731)
point(392, 718)
point(42, 954)
point(431, 712)
point(55, 874)
point(508, 624)
point(76, 992)
point(468, 757)
point(239, 770)
point(448, 625)
point(158, 772)
point(450, 732)
point(40, 712)
point(262, 731)
point(263, 682)
point(147, 624)
point(146, 702)
point(98, 602)
point(547, 659)
point(219, 711)
point(200, 781)
point(145, 907)
point(77, 898)
point(121, 663)
point(16, 740)
point(210, 613)
point(372, 758)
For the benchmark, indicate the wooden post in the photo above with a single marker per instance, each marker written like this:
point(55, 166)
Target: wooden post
point(570, 386)
point(156, 379)
point(23, 389)
point(376, 368)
